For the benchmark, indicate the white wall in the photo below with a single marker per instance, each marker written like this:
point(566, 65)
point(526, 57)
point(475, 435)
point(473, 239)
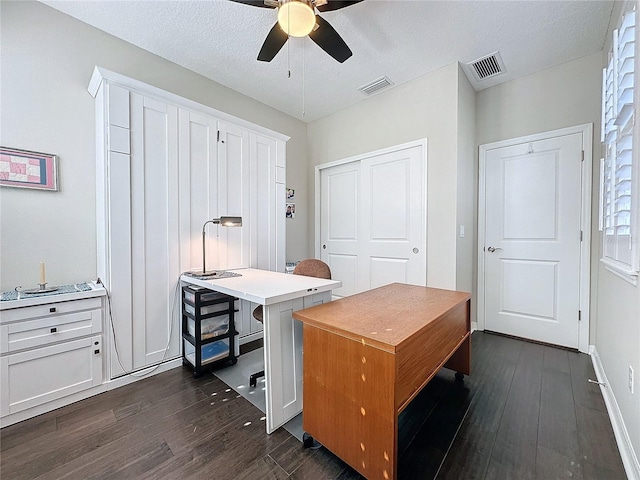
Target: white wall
point(46, 60)
point(467, 194)
point(617, 338)
point(423, 108)
point(558, 97)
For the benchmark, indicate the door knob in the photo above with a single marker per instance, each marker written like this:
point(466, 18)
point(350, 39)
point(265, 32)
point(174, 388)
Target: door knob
point(493, 249)
point(324, 247)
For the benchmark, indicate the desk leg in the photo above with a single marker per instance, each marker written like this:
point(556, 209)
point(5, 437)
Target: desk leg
point(282, 363)
point(460, 361)
point(283, 358)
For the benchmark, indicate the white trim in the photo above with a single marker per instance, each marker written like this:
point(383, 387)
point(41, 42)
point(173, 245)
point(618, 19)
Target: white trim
point(100, 74)
point(395, 148)
point(52, 405)
point(84, 394)
point(383, 151)
point(585, 245)
point(585, 220)
point(629, 458)
point(624, 272)
point(145, 373)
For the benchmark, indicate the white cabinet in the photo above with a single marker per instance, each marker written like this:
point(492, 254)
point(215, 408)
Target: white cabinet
point(37, 376)
point(49, 351)
point(138, 227)
point(166, 165)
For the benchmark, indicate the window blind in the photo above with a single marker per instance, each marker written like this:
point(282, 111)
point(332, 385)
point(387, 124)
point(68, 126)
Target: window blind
point(618, 118)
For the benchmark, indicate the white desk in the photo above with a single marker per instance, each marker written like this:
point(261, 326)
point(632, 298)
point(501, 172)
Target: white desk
point(280, 294)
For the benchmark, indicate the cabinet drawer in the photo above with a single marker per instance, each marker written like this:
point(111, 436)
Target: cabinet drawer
point(44, 331)
point(25, 313)
point(207, 309)
point(41, 375)
point(209, 327)
point(210, 352)
point(190, 295)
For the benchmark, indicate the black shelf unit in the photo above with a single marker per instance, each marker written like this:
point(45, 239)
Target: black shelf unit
point(213, 346)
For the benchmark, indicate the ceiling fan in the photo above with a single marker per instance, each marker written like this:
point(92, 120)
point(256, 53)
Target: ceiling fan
point(297, 18)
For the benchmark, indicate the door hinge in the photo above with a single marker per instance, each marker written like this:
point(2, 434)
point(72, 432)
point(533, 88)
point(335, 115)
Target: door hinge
point(218, 139)
point(580, 235)
point(579, 315)
point(582, 153)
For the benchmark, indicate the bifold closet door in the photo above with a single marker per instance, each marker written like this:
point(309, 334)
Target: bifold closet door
point(373, 219)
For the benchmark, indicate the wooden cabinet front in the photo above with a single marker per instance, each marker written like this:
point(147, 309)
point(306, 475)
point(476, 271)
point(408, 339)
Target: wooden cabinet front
point(367, 356)
point(349, 403)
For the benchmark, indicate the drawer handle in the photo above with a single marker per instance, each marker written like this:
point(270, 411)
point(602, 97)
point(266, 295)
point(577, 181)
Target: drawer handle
point(54, 330)
point(52, 309)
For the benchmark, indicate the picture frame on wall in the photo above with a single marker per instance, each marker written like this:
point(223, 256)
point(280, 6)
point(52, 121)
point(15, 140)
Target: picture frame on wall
point(291, 210)
point(26, 169)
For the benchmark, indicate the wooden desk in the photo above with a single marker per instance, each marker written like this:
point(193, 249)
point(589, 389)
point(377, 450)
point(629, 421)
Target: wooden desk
point(279, 294)
point(367, 356)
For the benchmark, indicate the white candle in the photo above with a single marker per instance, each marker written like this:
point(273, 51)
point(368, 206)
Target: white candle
point(42, 276)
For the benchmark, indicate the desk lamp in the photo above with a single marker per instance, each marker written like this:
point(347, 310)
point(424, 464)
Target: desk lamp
point(225, 222)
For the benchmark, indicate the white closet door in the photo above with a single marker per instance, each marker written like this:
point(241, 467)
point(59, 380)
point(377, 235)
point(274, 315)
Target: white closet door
point(393, 221)
point(339, 217)
point(373, 219)
point(155, 266)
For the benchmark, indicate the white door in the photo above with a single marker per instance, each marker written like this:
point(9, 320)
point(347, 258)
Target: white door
point(373, 220)
point(532, 239)
point(339, 220)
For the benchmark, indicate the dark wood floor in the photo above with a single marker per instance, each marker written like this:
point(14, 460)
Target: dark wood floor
point(527, 411)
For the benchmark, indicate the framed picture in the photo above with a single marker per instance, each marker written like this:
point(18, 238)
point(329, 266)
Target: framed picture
point(21, 168)
point(291, 210)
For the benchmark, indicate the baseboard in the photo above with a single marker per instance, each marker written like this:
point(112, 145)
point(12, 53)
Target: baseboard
point(84, 394)
point(629, 458)
point(474, 326)
point(141, 374)
point(49, 406)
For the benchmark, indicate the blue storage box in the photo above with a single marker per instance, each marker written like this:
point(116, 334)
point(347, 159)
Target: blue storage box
point(210, 351)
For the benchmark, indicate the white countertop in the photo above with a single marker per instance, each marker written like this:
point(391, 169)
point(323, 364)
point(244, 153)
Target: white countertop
point(265, 287)
point(96, 291)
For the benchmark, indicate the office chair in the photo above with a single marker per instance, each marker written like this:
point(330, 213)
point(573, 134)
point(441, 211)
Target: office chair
point(310, 267)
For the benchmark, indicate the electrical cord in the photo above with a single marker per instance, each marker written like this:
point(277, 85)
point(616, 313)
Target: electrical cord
point(134, 373)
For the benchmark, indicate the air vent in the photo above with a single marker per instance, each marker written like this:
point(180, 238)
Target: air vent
point(488, 66)
point(375, 86)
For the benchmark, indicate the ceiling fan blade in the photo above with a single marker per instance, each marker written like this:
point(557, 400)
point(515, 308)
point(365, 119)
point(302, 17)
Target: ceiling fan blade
point(255, 3)
point(272, 44)
point(335, 5)
point(328, 39)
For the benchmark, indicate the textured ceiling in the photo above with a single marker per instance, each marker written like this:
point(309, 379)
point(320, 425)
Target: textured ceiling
point(400, 39)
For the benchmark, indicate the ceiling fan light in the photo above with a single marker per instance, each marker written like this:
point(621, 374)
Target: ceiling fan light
point(296, 18)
